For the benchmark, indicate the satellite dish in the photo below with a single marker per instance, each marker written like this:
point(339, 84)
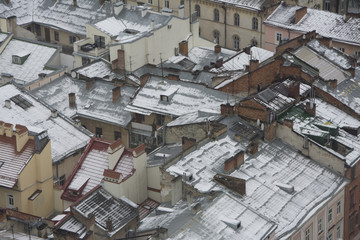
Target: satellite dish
point(73, 74)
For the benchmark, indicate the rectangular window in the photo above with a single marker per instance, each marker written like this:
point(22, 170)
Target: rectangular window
point(117, 135)
point(98, 132)
point(327, 6)
point(10, 201)
point(56, 36)
point(167, 5)
point(85, 60)
point(352, 223)
point(338, 231)
point(330, 237)
point(278, 37)
point(352, 199)
point(139, 118)
point(307, 234)
point(338, 207)
point(62, 180)
point(330, 215)
point(342, 5)
point(149, 1)
point(319, 225)
point(357, 54)
point(72, 39)
point(160, 119)
point(99, 41)
point(342, 49)
point(38, 29)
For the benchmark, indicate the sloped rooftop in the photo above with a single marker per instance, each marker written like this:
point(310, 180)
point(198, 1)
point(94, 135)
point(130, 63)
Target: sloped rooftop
point(248, 4)
point(95, 103)
point(65, 137)
point(98, 69)
point(325, 23)
point(277, 164)
point(188, 97)
point(38, 57)
point(59, 14)
point(273, 100)
point(13, 162)
point(200, 116)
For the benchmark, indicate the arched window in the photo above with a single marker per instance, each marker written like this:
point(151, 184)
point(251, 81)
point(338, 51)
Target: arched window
point(255, 23)
point(197, 10)
point(216, 37)
point(216, 15)
point(236, 42)
point(236, 19)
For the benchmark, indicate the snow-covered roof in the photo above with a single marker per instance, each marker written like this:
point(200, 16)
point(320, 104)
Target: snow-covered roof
point(218, 221)
point(3, 36)
point(205, 162)
point(129, 25)
point(242, 59)
point(273, 100)
point(38, 57)
point(97, 69)
point(13, 162)
point(327, 69)
point(163, 154)
point(247, 4)
point(332, 54)
point(89, 172)
point(65, 137)
point(95, 103)
point(200, 116)
point(325, 23)
point(354, 6)
point(278, 164)
point(189, 97)
point(105, 207)
point(58, 14)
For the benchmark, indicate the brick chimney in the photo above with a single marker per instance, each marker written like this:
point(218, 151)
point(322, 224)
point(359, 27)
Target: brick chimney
point(144, 78)
point(311, 108)
point(89, 84)
point(139, 150)
point(217, 49)
point(333, 83)
point(183, 48)
point(253, 147)
point(72, 100)
point(294, 90)
point(326, 41)
point(300, 13)
point(173, 77)
point(226, 109)
point(254, 64)
point(116, 94)
point(22, 136)
point(187, 142)
point(115, 150)
point(75, 3)
point(101, 2)
point(119, 63)
point(8, 129)
point(289, 123)
point(219, 62)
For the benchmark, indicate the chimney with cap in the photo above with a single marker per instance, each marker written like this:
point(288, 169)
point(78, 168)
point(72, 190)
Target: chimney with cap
point(8, 129)
point(116, 94)
point(72, 100)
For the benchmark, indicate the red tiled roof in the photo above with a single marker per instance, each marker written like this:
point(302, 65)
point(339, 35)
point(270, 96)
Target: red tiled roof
point(20, 128)
point(8, 125)
point(13, 161)
point(116, 144)
point(139, 149)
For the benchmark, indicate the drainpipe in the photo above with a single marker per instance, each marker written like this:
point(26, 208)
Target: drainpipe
point(223, 7)
point(190, 13)
point(159, 6)
point(261, 27)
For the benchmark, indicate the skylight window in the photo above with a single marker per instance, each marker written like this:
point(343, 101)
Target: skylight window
point(21, 101)
point(1, 163)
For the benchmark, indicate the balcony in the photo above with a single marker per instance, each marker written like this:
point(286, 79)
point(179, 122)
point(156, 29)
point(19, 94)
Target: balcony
point(88, 47)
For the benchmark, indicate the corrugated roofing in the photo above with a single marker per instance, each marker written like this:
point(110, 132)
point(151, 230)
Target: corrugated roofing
point(11, 161)
point(95, 103)
point(325, 23)
point(33, 65)
point(273, 100)
point(248, 4)
point(65, 137)
point(279, 163)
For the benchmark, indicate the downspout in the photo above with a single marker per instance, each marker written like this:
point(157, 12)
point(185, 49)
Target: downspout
point(190, 13)
point(159, 6)
point(223, 7)
point(261, 30)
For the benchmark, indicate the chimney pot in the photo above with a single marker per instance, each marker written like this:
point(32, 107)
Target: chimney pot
point(7, 103)
point(75, 3)
point(183, 48)
point(217, 49)
point(187, 142)
point(54, 113)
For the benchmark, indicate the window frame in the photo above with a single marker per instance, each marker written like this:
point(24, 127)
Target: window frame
point(197, 10)
point(117, 135)
point(98, 132)
point(216, 35)
point(236, 19)
point(330, 217)
point(338, 207)
point(56, 36)
point(72, 39)
point(308, 234)
point(167, 3)
point(216, 15)
point(236, 42)
point(10, 200)
point(255, 23)
point(278, 37)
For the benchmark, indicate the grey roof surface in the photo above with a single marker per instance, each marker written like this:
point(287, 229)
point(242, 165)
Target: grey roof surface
point(325, 23)
point(98, 69)
point(95, 103)
point(65, 137)
point(104, 206)
point(39, 56)
point(274, 100)
point(184, 97)
point(278, 163)
point(290, 58)
point(73, 225)
point(58, 14)
point(163, 154)
point(248, 4)
point(200, 116)
point(239, 127)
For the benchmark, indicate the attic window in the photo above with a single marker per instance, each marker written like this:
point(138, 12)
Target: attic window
point(131, 31)
point(43, 135)
point(164, 98)
point(20, 58)
point(21, 101)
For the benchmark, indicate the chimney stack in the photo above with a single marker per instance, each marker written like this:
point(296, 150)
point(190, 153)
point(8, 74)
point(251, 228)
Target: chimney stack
point(109, 225)
point(333, 83)
point(294, 90)
point(8, 129)
point(74, 3)
point(183, 48)
point(217, 49)
point(254, 64)
point(187, 142)
point(118, 7)
point(7, 1)
point(54, 113)
point(311, 108)
point(22, 137)
point(226, 109)
point(143, 79)
point(72, 100)
point(152, 24)
point(116, 94)
point(89, 84)
point(101, 2)
point(2, 130)
point(115, 150)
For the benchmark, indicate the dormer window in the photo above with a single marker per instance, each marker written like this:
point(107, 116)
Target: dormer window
point(20, 58)
point(164, 98)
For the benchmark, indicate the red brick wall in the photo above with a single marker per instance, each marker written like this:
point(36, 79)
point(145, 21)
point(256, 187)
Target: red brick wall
point(251, 109)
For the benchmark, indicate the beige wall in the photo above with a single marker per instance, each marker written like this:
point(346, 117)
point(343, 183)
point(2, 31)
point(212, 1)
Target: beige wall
point(196, 131)
point(157, 5)
point(66, 166)
point(153, 175)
